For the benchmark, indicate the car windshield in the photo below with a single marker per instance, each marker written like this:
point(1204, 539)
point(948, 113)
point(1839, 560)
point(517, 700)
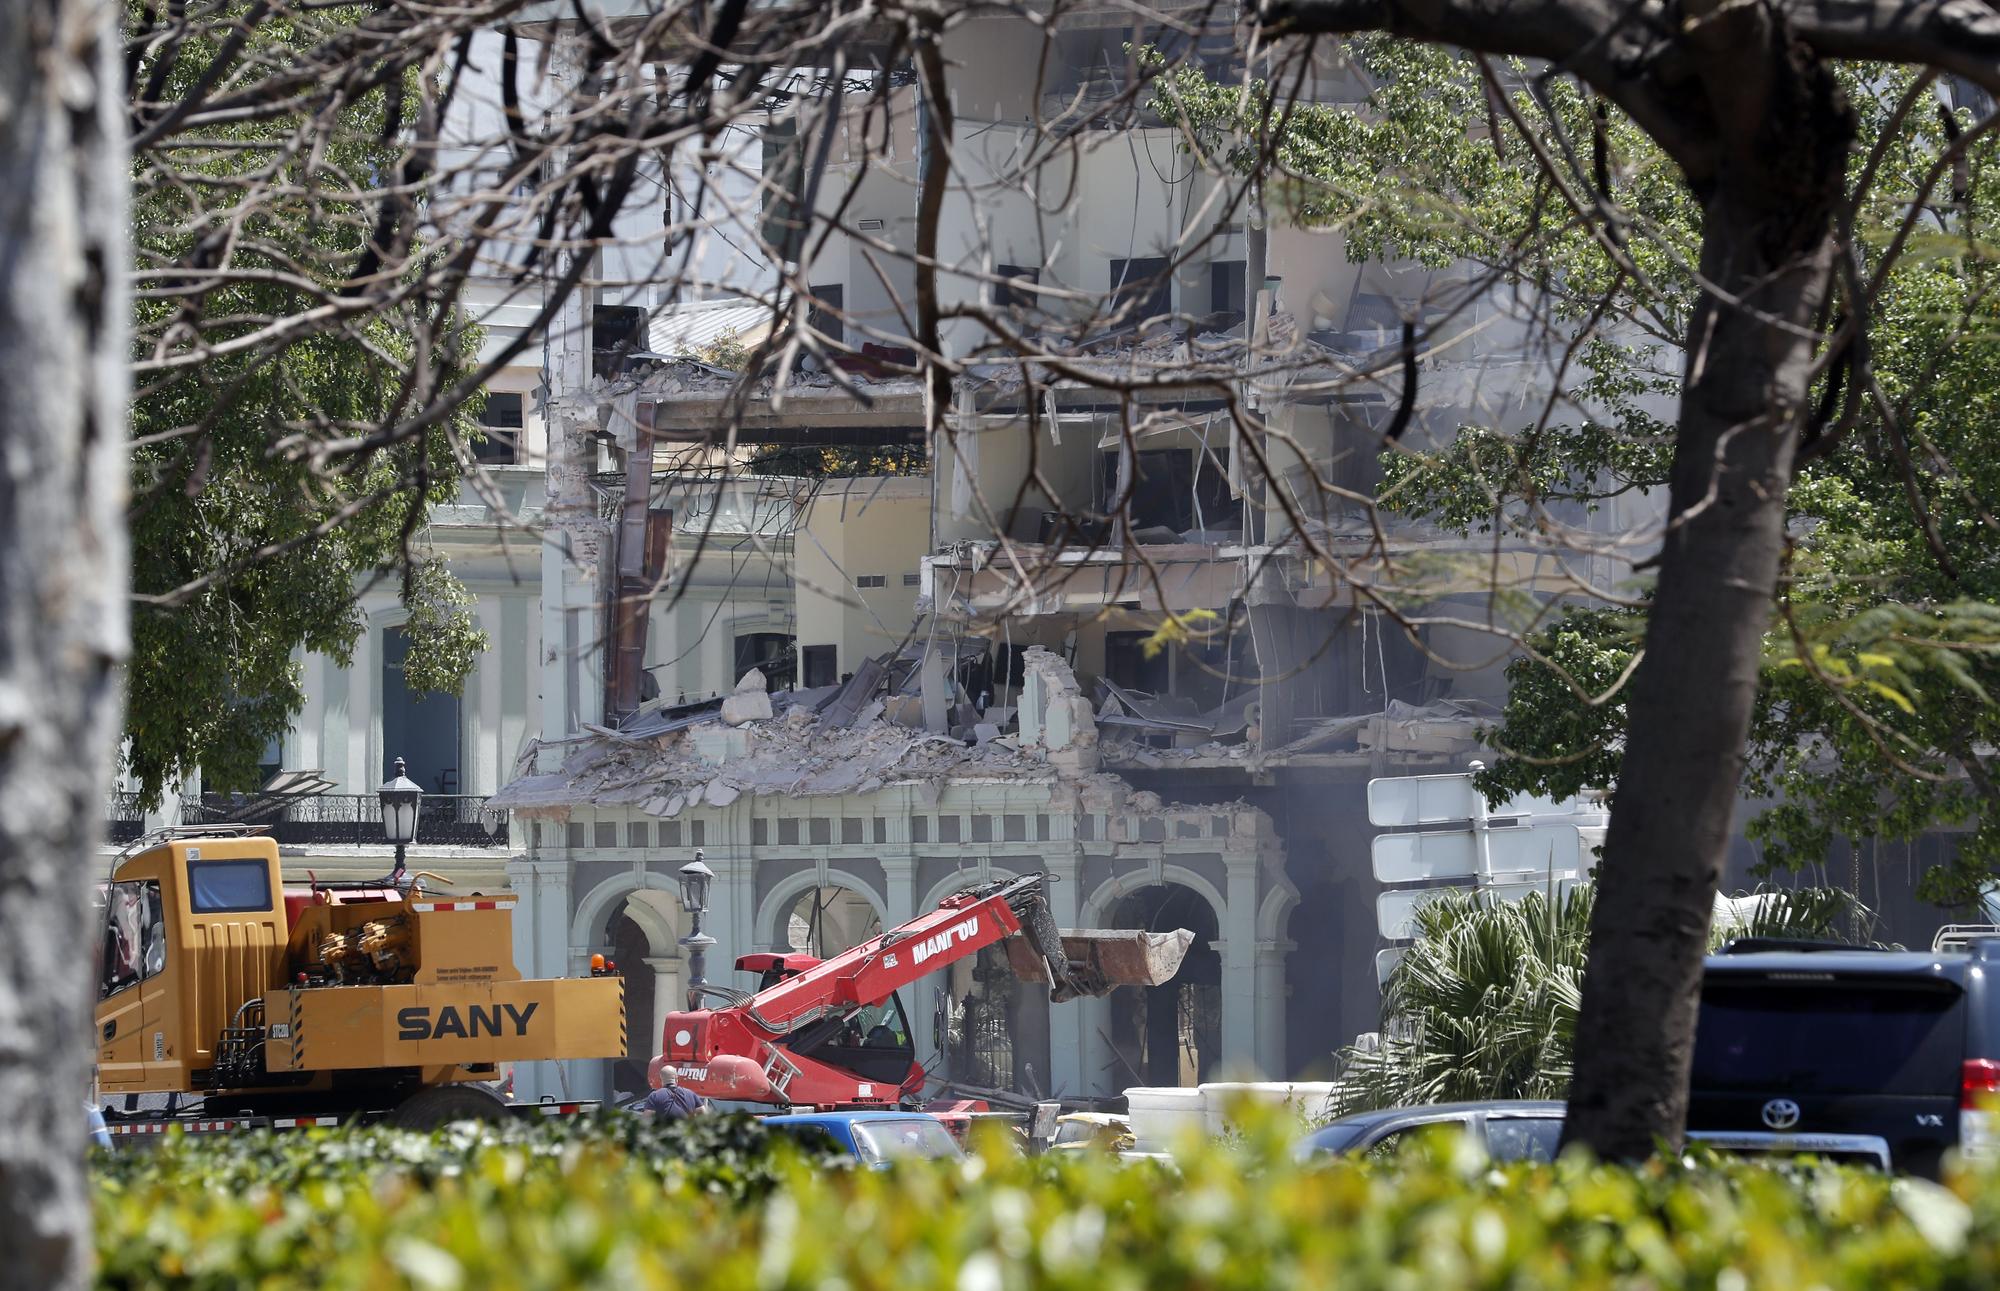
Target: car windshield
point(911, 1137)
point(1829, 1037)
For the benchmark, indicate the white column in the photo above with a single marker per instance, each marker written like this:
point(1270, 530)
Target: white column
point(541, 949)
point(486, 764)
point(362, 773)
point(1069, 1034)
point(729, 902)
point(899, 891)
point(1271, 1056)
point(1239, 966)
point(669, 995)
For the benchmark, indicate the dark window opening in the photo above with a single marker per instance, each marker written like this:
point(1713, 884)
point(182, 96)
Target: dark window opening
point(615, 331)
point(1126, 663)
point(500, 422)
point(1225, 287)
point(1142, 288)
point(1169, 493)
point(783, 170)
point(824, 314)
point(273, 761)
point(771, 653)
point(1008, 296)
point(419, 727)
point(228, 887)
point(1010, 664)
point(820, 665)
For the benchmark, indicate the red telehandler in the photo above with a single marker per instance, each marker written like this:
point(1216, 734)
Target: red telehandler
point(831, 1033)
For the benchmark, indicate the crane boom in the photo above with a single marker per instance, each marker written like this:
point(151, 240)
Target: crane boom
point(798, 1041)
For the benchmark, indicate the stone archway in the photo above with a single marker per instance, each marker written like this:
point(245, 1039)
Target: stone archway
point(773, 927)
point(1169, 1034)
point(640, 935)
point(825, 920)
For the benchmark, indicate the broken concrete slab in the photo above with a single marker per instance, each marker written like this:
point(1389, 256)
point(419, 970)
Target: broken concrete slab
point(746, 706)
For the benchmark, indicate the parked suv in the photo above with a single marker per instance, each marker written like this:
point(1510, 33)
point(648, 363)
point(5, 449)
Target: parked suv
point(1801, 1040)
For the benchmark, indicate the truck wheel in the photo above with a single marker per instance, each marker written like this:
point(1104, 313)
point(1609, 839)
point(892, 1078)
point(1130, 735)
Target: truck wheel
point(442, 1105)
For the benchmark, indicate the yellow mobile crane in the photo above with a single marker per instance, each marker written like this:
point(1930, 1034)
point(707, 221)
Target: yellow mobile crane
point(262, 1007)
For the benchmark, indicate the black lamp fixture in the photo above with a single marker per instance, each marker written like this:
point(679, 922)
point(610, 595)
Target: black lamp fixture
point(695, 879)
point(401, 798)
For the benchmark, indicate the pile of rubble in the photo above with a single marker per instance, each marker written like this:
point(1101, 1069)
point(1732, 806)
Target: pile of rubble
point(853, 738)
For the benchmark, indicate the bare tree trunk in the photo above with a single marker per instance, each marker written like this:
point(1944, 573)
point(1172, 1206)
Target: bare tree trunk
point(1766, 244)
point(63, 385)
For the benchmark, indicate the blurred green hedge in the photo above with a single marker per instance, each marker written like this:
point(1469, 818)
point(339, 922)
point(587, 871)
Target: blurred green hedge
point(625, 1204)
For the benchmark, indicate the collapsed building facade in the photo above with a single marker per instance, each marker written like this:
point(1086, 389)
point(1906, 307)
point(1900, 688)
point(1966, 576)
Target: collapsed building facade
point(1128, 619)
point(1160, 678)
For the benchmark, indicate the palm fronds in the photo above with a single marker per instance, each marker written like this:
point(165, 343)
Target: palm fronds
point(1483, 1004)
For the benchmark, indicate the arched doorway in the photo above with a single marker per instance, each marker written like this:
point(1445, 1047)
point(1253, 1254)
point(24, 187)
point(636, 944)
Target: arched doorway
point(630, 948)
point(640, 935)
point(1170, 1034)
point(824, 921)
point(996, 1026)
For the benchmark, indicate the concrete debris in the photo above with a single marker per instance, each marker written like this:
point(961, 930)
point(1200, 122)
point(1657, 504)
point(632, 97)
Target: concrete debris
point(800, 753)
point(1056, 720)
point(751, 701)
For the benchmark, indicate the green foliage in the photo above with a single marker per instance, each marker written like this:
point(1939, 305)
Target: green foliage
point(725, 351)
point(1483, 1004)
point(445, 634)
point(600, 1210)
point(1877, 716)
point(249, 545)
point(812, 461)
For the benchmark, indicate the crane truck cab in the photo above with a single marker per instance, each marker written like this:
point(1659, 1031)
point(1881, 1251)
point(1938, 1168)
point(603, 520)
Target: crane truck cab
point(354, 1003)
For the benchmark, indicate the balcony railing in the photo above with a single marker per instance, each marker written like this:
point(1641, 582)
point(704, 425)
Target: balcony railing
point(124, 822)
point(347, 819)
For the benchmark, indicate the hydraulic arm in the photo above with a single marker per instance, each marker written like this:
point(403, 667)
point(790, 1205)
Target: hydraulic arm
point(834, 1034)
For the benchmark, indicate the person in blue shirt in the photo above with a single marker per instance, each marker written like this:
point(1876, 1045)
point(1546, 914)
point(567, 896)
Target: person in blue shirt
point(668, 1098)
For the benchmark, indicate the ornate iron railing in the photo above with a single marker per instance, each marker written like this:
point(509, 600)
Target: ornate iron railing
point(455, 820)
point(124, 822)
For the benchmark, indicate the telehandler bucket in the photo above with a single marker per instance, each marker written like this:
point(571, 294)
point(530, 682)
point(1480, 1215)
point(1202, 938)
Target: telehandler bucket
point(1103, 958)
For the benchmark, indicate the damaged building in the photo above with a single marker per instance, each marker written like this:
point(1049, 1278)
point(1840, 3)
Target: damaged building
point(830, 813)
point(1127, 619)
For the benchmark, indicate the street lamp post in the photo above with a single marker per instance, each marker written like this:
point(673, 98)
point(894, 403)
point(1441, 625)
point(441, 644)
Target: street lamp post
point(400, 799)
point(695, 878)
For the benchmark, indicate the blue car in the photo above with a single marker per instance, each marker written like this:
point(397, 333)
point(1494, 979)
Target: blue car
point(873, 1138)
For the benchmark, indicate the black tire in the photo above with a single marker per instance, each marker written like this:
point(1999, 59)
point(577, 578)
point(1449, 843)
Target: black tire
point(435, 1107)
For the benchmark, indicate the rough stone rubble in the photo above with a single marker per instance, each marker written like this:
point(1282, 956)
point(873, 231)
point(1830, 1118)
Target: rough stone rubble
point(805, 744)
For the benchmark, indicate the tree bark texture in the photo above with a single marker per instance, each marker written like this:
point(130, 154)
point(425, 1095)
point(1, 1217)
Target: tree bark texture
point(1767, 248)
point(63, 385)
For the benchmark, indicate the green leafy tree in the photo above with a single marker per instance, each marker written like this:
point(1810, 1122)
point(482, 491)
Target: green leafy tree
point(260, 508)
point(1875, 717)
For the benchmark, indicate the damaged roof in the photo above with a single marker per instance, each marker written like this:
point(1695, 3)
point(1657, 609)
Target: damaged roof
point(665, 763)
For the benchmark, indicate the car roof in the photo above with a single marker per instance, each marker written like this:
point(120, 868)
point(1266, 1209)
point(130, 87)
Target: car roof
point(844, 1118)
point(1870, 963)
point(1494, 1106)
